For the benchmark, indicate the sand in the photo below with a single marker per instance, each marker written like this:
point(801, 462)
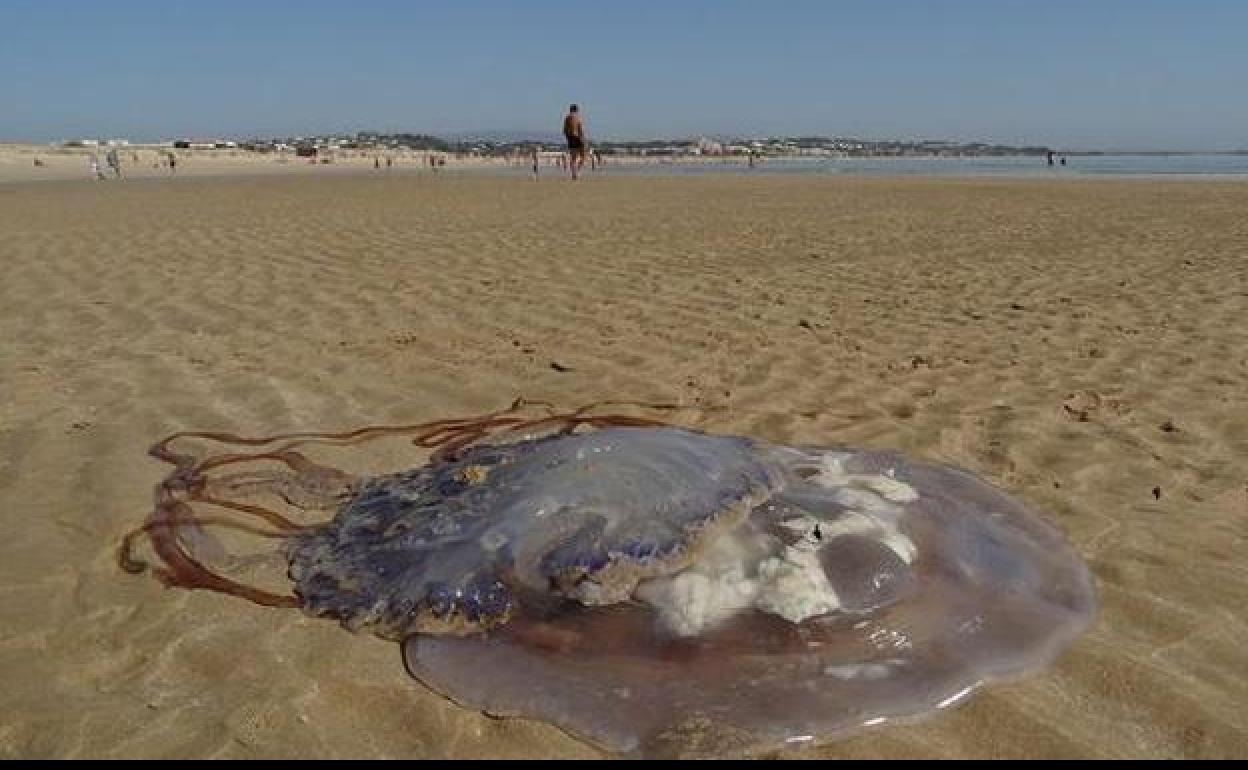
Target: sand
point(43, 163)
point(1082, 344)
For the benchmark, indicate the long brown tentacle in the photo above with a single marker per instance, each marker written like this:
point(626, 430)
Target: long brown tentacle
point(187, 485)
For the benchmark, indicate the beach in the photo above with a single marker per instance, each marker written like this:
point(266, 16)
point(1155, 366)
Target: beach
point(44, 163)
point(1082, 344)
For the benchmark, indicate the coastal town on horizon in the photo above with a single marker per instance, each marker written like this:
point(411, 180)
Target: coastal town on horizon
point(509, 144)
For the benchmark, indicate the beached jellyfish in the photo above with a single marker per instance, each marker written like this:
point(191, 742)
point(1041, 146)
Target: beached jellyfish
point(646, 587)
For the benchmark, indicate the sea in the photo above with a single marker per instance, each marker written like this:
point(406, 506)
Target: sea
point(1221, 166)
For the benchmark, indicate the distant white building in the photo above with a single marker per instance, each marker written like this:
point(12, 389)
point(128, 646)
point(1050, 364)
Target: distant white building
point(196, 144)
point(709, 147)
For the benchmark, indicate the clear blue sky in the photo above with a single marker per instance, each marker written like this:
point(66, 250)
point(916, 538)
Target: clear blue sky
point(1067, 73)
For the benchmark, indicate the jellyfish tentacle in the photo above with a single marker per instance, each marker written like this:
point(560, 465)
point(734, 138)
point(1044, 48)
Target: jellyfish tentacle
point(307, 484)
point(180, 569)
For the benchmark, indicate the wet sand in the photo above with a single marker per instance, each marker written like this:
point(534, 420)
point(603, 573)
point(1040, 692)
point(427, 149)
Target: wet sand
point(1082, 344)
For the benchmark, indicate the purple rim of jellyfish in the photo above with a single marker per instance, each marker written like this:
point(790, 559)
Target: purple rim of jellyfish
point(653, 589)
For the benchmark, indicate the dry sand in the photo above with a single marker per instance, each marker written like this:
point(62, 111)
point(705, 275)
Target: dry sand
point(36, 163)
point(1079, 343)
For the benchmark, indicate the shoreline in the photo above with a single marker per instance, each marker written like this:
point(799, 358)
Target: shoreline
point(70, 164)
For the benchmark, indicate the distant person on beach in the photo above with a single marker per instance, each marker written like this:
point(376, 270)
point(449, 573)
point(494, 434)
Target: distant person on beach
point(114, 162)
point(536, 164)
point(1050, 155)
point(173, 163)
point(574, 132)
point(1063, 160)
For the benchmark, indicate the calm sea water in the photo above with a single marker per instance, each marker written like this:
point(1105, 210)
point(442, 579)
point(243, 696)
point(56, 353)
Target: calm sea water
point(1209, 166)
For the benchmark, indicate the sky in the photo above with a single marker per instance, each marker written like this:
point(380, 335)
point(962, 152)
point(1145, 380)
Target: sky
point(1072, 74)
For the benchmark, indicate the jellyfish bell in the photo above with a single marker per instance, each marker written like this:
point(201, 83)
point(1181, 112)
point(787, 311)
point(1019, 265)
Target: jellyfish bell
point(846, 601)
point(585, 517)
point(657, 590)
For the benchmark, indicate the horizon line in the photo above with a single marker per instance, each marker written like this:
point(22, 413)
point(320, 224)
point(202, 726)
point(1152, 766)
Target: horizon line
point(534, 135)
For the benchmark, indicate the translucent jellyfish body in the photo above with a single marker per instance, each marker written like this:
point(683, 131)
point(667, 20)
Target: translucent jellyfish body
point(657, 590)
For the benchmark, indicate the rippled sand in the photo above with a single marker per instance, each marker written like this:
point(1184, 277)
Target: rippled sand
point(1083, 344)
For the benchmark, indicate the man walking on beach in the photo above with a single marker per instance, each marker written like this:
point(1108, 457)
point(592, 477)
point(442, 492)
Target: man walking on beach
point(574, 132)
point(114, 161)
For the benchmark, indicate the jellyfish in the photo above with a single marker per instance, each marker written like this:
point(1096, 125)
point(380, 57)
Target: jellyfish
point(648, 587)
